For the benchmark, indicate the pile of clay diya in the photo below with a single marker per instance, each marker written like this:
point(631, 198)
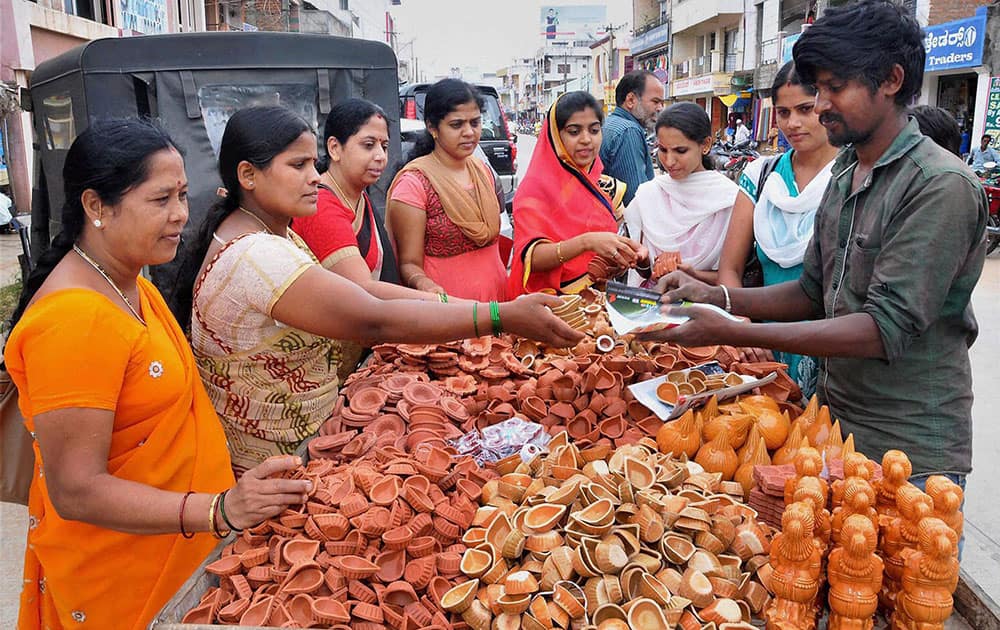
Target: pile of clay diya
point(377, 545)
point(575, 312)
point(691, 382)
point(401, 410)
point(405, 389)
point(611, 539)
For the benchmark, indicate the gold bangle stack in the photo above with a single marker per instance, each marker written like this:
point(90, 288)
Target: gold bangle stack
point(562, 261)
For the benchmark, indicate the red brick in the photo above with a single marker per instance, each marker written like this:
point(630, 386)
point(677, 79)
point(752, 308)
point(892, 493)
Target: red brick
point(948, 10)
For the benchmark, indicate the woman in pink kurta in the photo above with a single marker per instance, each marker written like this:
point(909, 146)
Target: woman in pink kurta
point(444, 209)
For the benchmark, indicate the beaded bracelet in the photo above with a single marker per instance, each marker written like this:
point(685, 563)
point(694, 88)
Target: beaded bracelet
point(184, 500)
point(225, 518)
point(495, 318)
point(475, 318)
point(443, 298)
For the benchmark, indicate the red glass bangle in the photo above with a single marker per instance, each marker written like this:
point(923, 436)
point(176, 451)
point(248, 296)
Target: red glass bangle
point(184, 503)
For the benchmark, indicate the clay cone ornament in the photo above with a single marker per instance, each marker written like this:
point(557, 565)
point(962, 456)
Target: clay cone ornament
point(819, 431)
point(808, 415)
point(744, 474)
point(682, 435)
point(834, 447)
point(786, 454)
point(718, 456)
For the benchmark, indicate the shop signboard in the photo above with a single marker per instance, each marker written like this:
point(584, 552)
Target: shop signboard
point(653, 38)
point(992, 124)
point(786, 47)
point(957, 44)
point(694, 85)
point(148, 17)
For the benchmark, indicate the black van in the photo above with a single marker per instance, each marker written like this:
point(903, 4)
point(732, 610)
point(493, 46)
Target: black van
point(497, 141)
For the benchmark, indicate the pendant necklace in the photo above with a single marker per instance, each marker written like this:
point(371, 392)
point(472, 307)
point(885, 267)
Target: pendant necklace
point(93, 263)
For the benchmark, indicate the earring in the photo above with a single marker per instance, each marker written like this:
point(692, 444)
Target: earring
point(97, 223)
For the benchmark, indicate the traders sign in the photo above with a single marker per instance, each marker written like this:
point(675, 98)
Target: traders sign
point(957, 44)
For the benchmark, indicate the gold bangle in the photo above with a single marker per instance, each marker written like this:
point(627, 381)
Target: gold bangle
point(211, 517)
point(559, 255)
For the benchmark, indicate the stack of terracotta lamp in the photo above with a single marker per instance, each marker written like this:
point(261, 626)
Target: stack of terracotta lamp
point(622, 539)
point(376, 546)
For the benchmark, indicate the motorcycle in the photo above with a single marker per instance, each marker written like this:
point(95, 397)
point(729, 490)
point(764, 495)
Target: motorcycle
point(731, 159)
point(990, 177)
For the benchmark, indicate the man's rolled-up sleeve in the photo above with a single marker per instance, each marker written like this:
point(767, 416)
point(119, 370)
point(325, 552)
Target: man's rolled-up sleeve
point(924, 249)
point(632, 159)
point(811, 280)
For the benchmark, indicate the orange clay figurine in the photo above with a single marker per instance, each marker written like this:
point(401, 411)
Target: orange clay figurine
point(901, 536)
point(808, 463)
point(855, 576)
point(947, 496)
point(796, 561)
point(810, 490)
point(930, 576)
point(859, 499)
point(855, 465)
point(896, 471)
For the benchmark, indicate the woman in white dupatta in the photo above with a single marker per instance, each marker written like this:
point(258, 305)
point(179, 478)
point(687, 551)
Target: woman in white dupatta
point(773, 220)
point(687, 209)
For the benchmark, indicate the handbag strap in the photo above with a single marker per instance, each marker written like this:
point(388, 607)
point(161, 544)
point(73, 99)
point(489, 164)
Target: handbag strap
point(769, 165)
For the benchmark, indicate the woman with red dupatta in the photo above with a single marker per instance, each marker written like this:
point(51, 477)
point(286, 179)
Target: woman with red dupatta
point(565, 211)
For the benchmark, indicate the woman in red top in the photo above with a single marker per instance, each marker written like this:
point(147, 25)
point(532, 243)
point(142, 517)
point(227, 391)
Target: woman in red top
point(565, 210)
point(345, 234)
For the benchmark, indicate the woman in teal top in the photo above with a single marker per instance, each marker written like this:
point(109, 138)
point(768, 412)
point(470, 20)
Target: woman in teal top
point(774, 213)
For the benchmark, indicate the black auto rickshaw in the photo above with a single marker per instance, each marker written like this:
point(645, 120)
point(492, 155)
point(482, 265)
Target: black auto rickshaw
point(191, 83)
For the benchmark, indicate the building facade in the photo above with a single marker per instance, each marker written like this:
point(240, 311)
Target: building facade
point(650, 45)
point(610, 58)
point(709, 61)
point(34, 31)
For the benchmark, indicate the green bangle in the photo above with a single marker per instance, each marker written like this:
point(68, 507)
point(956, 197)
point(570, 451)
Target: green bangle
point(475, 318)
point(222, 510)
point(443, 297)
point(495, 318)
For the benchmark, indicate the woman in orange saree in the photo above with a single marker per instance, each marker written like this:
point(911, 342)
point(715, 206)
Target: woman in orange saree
point(131, 464)
point(565, 210)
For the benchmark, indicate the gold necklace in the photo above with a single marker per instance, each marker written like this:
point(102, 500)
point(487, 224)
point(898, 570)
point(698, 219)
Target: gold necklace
point(258, 220)
point(343, 195)
point(93, 263)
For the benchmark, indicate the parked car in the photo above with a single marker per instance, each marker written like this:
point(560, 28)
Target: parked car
point(498, 141)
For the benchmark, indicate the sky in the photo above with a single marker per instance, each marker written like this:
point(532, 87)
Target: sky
point(485, 34)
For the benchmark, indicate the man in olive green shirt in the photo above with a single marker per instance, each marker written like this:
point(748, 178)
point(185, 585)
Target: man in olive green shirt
point(898, 246)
